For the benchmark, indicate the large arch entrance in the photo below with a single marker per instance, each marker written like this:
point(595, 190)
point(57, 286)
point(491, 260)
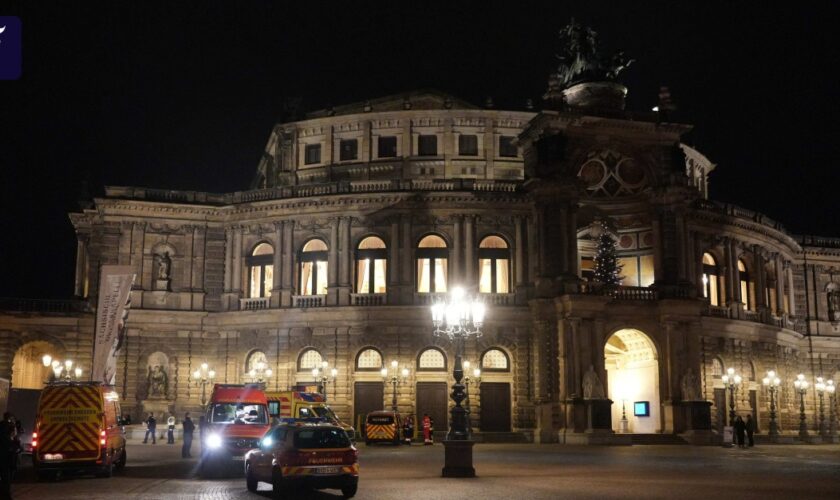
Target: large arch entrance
point(28, 370)
point(633, 380)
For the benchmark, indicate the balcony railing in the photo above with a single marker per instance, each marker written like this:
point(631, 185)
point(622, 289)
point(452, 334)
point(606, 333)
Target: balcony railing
point(254, 304)
point(43, 306)
point(305, 301)
point(617, 292)
point(367, 299)
point(427, 299)
point(498, 299)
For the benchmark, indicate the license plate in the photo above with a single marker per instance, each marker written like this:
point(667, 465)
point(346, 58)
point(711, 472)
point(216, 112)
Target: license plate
point(238, 458)
point(327, 470)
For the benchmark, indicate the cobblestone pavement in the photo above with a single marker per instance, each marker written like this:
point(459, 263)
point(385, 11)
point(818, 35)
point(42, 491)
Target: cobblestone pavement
point(505, 472)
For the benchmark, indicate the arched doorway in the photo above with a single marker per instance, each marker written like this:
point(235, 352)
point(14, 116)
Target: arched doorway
point(28, 370)
point(633, 379)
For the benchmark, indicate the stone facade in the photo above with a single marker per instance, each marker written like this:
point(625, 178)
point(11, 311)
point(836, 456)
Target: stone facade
point(403, 168)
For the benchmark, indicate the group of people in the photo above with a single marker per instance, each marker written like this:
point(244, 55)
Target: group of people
point(743, 427)
point(427, 426)
point(188, 431)
point(11, 431)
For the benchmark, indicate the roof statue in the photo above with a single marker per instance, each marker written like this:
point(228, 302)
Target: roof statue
point(581, 61)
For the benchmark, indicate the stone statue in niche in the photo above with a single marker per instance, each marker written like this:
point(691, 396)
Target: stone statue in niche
point(690, 387)
point(592, 386)
point(158, 381)
point(163, 271)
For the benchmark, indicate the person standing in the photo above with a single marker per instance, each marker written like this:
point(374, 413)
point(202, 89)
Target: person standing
point(427, 429)
point(750, 428)
point(170, 429)
point(408, 429)
point(189, 428)
point(740, 429)
point(151, 427)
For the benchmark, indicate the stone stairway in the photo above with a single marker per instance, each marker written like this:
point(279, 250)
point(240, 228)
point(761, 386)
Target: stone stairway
point(650, 439)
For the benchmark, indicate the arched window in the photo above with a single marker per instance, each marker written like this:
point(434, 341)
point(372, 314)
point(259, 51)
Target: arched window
point(432, 264)
point(431, 359)
point(495, 360)
point(255, 360)
point(717, 368)
point(747, 286)
point(309, 359)
point(371, 265)
point(711, 280)
point(261, 271)
point(493, 265)
point(369, 359)
point(313, 268)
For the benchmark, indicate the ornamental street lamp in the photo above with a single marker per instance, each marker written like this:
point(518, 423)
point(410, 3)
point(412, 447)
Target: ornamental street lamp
point(801, 386)
point(457, 319)
point(202, 376)
point(830, 388)
point(731, 380)
point(476, 378)
point(772, 383)
point(397, 377)
point(323, 377)
point(62, 370)
point(260, 372)
point(819, 386)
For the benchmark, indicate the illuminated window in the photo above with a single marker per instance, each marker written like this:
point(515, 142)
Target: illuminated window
point(255, 360)
point(261, 271)
point(746, 285)
point(495, 360)
point(493, 265)
point(717, 368)
point(711, 280)
point(371, 265)
point(432, 261)
point(309, 359)
point(587, 268)
point(432, 359)
point(313, 268)
point(369, 359)
point(636, 270)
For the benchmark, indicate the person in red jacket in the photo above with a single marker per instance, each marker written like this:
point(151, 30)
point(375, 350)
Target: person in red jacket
point(428, 429)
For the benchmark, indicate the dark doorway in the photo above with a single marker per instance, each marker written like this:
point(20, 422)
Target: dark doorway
point(720, 405)
point(432, 399)
point(495, 407)
point(367, 397)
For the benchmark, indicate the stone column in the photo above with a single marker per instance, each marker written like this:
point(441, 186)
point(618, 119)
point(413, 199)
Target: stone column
point(519, 252)
point(790, 289)
point(470, 263)
point(658, 263)
point(698, 244)
point(277, 262)
point(200, 244)
point(683, 249)
point(124, 245)
point(345, 261)
point(228, 289)
point(236, 285)
point(456, 263)
point(394, 262)
point(760, 279)
point(81, 257)
point(573, 262)
point(533, 255)
point(780, 287)
point(332, 264)
point(288, 277)
point(407, 264)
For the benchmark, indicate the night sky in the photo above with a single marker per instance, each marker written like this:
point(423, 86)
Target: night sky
point(183, 96)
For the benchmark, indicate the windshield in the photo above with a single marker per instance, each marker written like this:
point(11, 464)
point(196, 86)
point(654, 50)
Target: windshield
point(325, 412)
point(321, 438)
point(238, 413)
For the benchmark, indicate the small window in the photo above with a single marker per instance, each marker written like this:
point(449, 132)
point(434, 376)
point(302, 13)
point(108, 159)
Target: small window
point(431, 359)
point(313, 154)
point(348, 149)
point(507, 148)
point(495, 360)
point(427, 145)
point(369, 360)
point(309, 359)
point(468, 145)
point(387, 147)
point(717, 368)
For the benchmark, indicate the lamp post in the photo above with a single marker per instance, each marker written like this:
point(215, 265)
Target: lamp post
point(322, 379)
point(801, 386)
point(62, 370)
point(458, 318)
point(397, 377)
point(260, 372)
point(202, 376)
point(731, 380)
point(476, 378)
point(772, 383)
point(819, 386)
point(830, 388)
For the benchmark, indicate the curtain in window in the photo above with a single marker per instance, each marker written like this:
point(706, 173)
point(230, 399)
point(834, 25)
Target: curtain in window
point(423, 275)
point(646, 270)
point(268, 281)
point(485, 278)
point(379, 273)
point(440, 275)
point(363, 274)
point(322, 277)
point(306, 278)
point(502, 278)
point(255, 282)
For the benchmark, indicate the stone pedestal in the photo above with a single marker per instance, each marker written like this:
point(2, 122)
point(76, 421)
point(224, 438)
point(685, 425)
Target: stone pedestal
point(159, 406)
point(162, 285)
point(458, 458)
point(598, 415)
point(696, 425)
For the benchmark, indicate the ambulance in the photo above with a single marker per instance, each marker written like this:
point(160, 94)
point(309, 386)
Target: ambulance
point(383, 426)
point(295, 404)
point(236, 420)
point(77, 430)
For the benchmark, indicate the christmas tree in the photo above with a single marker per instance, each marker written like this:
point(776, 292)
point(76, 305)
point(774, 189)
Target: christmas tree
point(607, 268)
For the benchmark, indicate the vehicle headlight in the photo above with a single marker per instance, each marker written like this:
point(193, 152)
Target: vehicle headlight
point(214, 441)
point(266, 442)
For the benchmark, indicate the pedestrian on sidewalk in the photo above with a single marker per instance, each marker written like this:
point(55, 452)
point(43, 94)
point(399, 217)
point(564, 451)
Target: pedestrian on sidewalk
point(151, 426)
point(740, 429)
point(189, 428)
point(408, 429)
point(170, 429)
point(751, 428)
point(427, 429)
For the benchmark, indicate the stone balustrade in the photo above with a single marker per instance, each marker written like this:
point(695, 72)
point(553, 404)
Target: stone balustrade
point(305, 301)
point(254, 304)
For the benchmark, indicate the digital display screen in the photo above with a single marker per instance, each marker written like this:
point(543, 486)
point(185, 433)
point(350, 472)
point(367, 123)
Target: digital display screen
point(641, 408)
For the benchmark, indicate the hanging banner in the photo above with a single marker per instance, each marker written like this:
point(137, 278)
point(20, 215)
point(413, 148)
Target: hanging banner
point(111, 313)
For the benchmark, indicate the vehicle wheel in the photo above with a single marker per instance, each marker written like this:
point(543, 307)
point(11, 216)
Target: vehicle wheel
point(250, 481)
point(349, 491)
point(121, 464)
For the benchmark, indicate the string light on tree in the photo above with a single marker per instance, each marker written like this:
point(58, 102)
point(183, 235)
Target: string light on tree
point(607, 268)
